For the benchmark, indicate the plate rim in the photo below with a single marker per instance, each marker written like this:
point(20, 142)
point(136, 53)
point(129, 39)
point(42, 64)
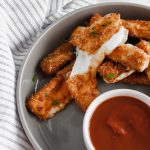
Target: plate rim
point(19, 79)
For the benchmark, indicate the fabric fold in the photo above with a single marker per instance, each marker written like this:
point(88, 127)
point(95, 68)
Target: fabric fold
point(21, 23)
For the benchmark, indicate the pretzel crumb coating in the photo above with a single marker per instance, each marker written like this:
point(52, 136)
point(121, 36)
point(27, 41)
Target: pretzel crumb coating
point(57, 59)
point(51, 98)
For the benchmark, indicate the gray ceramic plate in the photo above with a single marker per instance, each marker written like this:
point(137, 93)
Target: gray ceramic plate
point(64, 131)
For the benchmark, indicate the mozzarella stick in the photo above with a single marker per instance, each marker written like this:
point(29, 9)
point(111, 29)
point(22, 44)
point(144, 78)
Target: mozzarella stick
point(144, 45)
point(91, 38)
point(93, 43)
point(131, 56)
point(84, 89)
point(113, 72)
point(137, 78)
point(140, 78)
point(52, 97)
point(138, 28)
point(57, 59)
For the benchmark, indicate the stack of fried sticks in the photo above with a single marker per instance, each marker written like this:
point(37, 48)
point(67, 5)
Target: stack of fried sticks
point(127, 63)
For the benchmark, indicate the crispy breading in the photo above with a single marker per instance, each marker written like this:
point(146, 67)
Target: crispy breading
point(57, 59)
point(130, 56)
point(91, 38)
point(138, 28)
point(137, 78)
point(84, 89)
point(52, 97)
point(95, 18)
point(93, 44)
point(145, 45)
point(113, 72)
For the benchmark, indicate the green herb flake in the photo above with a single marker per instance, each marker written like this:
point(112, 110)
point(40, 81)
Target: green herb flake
point(92, 28)
point(46, 94)
point(55, 103)
point(110, 75)
point(34, 78)
point(93, 31)
point(73, 50)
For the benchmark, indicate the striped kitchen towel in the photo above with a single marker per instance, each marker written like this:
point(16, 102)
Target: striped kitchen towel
point(21, 22)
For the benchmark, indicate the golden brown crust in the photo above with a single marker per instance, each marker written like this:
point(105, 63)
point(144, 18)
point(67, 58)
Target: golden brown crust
point(137, 78)
point(95, 18)
point(83, 89)
point(57, 59)
point(138, 28)
point(113, 72)
point(52, 97)
point(144, 45)
point(91, 38)
point(147, 71)
point(131, 57)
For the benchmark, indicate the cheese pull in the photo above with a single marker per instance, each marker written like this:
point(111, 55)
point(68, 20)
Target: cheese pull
point(93, 44)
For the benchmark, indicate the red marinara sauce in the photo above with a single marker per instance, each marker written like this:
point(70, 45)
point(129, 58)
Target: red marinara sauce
point(121, 123)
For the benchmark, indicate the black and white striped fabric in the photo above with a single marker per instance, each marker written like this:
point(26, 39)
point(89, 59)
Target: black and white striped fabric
point(21, 22)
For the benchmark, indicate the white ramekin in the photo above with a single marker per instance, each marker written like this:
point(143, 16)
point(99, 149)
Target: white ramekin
point(105, 96)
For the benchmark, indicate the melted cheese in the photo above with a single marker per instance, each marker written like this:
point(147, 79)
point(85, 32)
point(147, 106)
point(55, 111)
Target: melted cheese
point(124, 75)
point(84, 61)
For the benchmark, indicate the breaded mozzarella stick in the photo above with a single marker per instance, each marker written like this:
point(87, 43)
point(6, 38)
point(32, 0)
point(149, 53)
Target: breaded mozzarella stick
point(138, 28)
point(131, 56)
point(52, 97)
point(57, 59)
point(145, 45)
point(93, 44)
point(113, 72)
